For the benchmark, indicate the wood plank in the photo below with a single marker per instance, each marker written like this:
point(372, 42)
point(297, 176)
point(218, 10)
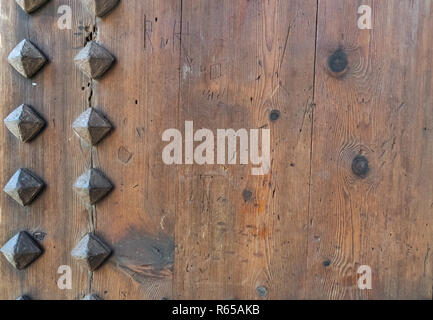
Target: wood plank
point(56, 217)
point(240, 236)
point(381, 108)
point(217, 231)
point(140, 96)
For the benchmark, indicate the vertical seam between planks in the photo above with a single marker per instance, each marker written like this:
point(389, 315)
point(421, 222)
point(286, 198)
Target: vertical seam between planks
point(92, 213)
point(173, 289)
point(311, 147)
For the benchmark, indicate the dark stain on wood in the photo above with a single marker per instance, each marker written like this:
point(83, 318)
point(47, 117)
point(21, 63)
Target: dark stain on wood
point(143, 256)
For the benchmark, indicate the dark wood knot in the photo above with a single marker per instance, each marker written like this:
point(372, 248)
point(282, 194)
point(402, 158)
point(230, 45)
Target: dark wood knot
point(326, 263)
point(274, 115)
point(360, 166)
point(247, 195)
point(337, 62)
point(262, 291)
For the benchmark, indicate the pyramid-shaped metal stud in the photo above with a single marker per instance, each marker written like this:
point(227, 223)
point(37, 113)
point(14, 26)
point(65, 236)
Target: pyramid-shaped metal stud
point(92, 297)
point(24, 186)
point(24, 123)
point(94, 60)
point(91, 251)
point(92, 186)
point(23, 297)
point(100, 8)
point(30, 5)
point(26, 59)
point(21, 250)
point(92, 126)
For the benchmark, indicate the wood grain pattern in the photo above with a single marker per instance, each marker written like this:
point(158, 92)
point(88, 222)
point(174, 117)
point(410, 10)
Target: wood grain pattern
point(381, 108)
point(216, 231)
point(227, 246)
point(140, 95)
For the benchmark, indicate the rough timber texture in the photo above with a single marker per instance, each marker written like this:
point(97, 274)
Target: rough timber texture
point(381, 109)
point(350, 113)
point(239, 236)
point(140, 95)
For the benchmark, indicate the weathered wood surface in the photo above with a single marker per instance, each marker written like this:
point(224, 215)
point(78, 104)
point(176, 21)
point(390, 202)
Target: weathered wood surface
point(214, 231)
point(237, 233)
point(141, 95)
point(382, 107)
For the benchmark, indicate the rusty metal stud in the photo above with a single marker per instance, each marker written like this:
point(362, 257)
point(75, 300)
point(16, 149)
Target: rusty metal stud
point(92, 126)
point(92, 186)
point(94, 60)
point(21, 250)
point(24, 186)
point(92, 297)
point(24, 123)
point(100, 8)
point(26, 59)
point(23, 297)
point(30, 5)
point(91, 251)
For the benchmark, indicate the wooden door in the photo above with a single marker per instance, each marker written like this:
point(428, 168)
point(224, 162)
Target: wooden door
point(350, 115)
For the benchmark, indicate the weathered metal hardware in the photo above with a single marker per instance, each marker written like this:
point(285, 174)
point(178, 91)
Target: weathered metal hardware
point(92, 186)
point(30, 5)
point(100, 8)
point(24, 123)
point(26, 59)
point(91, 251)
point(92, 126)
point(24, 186)
point(21, 250)
point(94, 60)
